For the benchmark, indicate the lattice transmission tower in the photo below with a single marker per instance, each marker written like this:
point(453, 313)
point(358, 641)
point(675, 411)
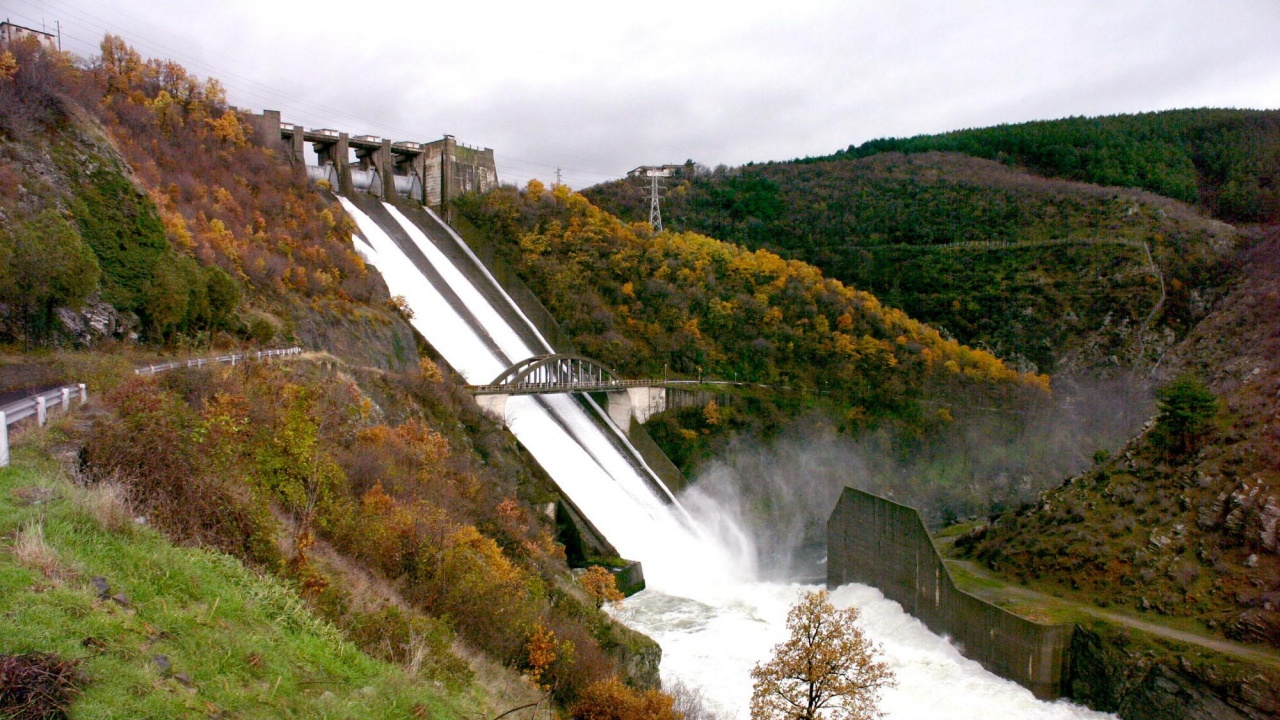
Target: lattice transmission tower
point(655, 212)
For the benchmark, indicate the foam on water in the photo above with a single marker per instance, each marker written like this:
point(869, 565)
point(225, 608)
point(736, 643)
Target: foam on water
point(713, 618)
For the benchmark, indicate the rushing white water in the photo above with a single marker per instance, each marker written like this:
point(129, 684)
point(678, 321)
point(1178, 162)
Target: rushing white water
point(705, 605)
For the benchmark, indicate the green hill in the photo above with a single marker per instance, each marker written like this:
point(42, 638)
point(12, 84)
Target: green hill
point(1051, 275)
point(1226, 161)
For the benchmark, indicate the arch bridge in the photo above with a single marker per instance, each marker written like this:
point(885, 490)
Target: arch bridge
point(568, 373)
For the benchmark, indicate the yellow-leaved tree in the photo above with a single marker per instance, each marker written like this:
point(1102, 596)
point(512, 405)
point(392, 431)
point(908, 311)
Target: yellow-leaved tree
point(826, 670)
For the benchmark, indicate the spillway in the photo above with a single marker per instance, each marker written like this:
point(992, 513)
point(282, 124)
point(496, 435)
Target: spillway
point(705, 603)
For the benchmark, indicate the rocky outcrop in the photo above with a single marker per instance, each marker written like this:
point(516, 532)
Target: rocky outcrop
point(98, 321)
point(1139, 678)
point(636, 654)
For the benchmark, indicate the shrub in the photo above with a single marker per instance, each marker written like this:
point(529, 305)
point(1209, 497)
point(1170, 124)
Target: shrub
point(38, 686)
point(1186, 408)
point(611, 700)
point(420, 643)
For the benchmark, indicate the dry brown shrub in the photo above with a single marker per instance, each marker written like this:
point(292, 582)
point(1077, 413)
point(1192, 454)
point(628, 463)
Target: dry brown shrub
point(37, 686)
point(611, 700)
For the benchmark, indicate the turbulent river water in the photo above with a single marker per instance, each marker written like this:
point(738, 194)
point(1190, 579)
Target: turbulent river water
point(706, 603)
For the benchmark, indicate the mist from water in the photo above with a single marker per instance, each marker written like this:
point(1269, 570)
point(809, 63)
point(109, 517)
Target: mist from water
point(783, 490)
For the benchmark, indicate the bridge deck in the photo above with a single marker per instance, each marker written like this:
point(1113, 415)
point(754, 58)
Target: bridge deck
point(554, 388)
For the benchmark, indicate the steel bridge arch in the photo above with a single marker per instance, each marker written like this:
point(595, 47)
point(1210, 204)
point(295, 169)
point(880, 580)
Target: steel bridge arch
point(556, 369)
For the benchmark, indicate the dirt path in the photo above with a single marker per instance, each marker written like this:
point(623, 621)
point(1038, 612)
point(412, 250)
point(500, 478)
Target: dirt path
point(994, 589)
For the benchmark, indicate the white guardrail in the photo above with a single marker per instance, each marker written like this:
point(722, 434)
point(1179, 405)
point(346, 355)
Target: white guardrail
point(201, 362)
point(38, 405)
point(60, 398)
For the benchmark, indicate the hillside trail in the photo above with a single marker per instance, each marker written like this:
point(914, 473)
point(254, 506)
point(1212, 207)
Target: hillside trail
point(998, 591)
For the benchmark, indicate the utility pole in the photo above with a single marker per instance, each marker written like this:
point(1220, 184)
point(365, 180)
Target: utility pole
point(558, 176)
point(655, 212)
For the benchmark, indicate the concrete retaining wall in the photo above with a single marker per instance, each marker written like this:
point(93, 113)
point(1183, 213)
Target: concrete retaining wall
point(880, 543)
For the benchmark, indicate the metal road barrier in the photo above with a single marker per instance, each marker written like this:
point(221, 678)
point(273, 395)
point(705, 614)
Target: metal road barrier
point(201, 362)
point(38, 405)
point(60, 398)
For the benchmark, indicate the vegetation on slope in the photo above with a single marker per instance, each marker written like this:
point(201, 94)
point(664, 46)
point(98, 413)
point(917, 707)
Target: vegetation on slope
point(163, 631)
point(688, 305)
point(1184, 522)
point(199, 234)
point(1047, 274)
point(1226, 161)
point(265, 461)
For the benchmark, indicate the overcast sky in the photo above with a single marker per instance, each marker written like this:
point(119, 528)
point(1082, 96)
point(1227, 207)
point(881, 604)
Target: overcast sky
point(597, 87)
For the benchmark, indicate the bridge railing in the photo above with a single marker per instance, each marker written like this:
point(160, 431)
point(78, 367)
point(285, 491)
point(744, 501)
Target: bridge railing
point(201, 362)
point(38, 405)
point(549, 388)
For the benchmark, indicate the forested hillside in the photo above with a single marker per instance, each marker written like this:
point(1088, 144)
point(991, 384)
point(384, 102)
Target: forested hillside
point(1226, 161)
point(1051, 274)
point(690, 305)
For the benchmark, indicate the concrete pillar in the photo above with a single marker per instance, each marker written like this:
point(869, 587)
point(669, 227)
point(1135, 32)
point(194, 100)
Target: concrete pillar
point(41, 411)
point(386, 163)
point(66, 399)
point(84, 394)
point(495, 406)
point(647, 401)
point(298, 145)
point(448, 155)
point(4, 440)
point(620, 409)
point(341, 153)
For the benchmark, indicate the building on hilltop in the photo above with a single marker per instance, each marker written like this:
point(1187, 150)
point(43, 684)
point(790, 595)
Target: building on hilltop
point(660, 170)
point(11, 33)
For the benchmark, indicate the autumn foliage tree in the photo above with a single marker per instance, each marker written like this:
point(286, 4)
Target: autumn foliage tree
point(601, 586)
point(825, 670)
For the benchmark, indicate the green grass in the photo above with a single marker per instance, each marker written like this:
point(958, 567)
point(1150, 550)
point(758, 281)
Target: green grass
point(245, 642)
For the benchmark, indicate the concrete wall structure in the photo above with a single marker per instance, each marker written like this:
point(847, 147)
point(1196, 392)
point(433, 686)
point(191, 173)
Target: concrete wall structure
point(432, 173)
point(880, 543)
point(451, 169)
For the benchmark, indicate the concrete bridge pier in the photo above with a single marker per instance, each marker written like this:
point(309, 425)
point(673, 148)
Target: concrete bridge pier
point(495, 406)
point(638, 403)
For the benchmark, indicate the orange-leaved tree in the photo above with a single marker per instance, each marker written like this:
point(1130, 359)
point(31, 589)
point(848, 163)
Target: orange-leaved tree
point(826, 670)
point(601, 586)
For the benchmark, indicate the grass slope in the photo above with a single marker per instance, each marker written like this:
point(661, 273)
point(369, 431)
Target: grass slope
point(238, 644)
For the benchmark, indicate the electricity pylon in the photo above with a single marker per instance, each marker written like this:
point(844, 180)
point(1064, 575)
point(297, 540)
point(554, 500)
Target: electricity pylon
point(655, 212)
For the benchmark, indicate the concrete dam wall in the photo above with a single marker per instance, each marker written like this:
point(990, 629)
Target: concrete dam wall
point(877, 542)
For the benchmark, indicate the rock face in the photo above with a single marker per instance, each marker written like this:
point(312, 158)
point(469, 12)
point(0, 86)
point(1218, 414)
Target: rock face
point(97, 321)
point(1113, 672)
